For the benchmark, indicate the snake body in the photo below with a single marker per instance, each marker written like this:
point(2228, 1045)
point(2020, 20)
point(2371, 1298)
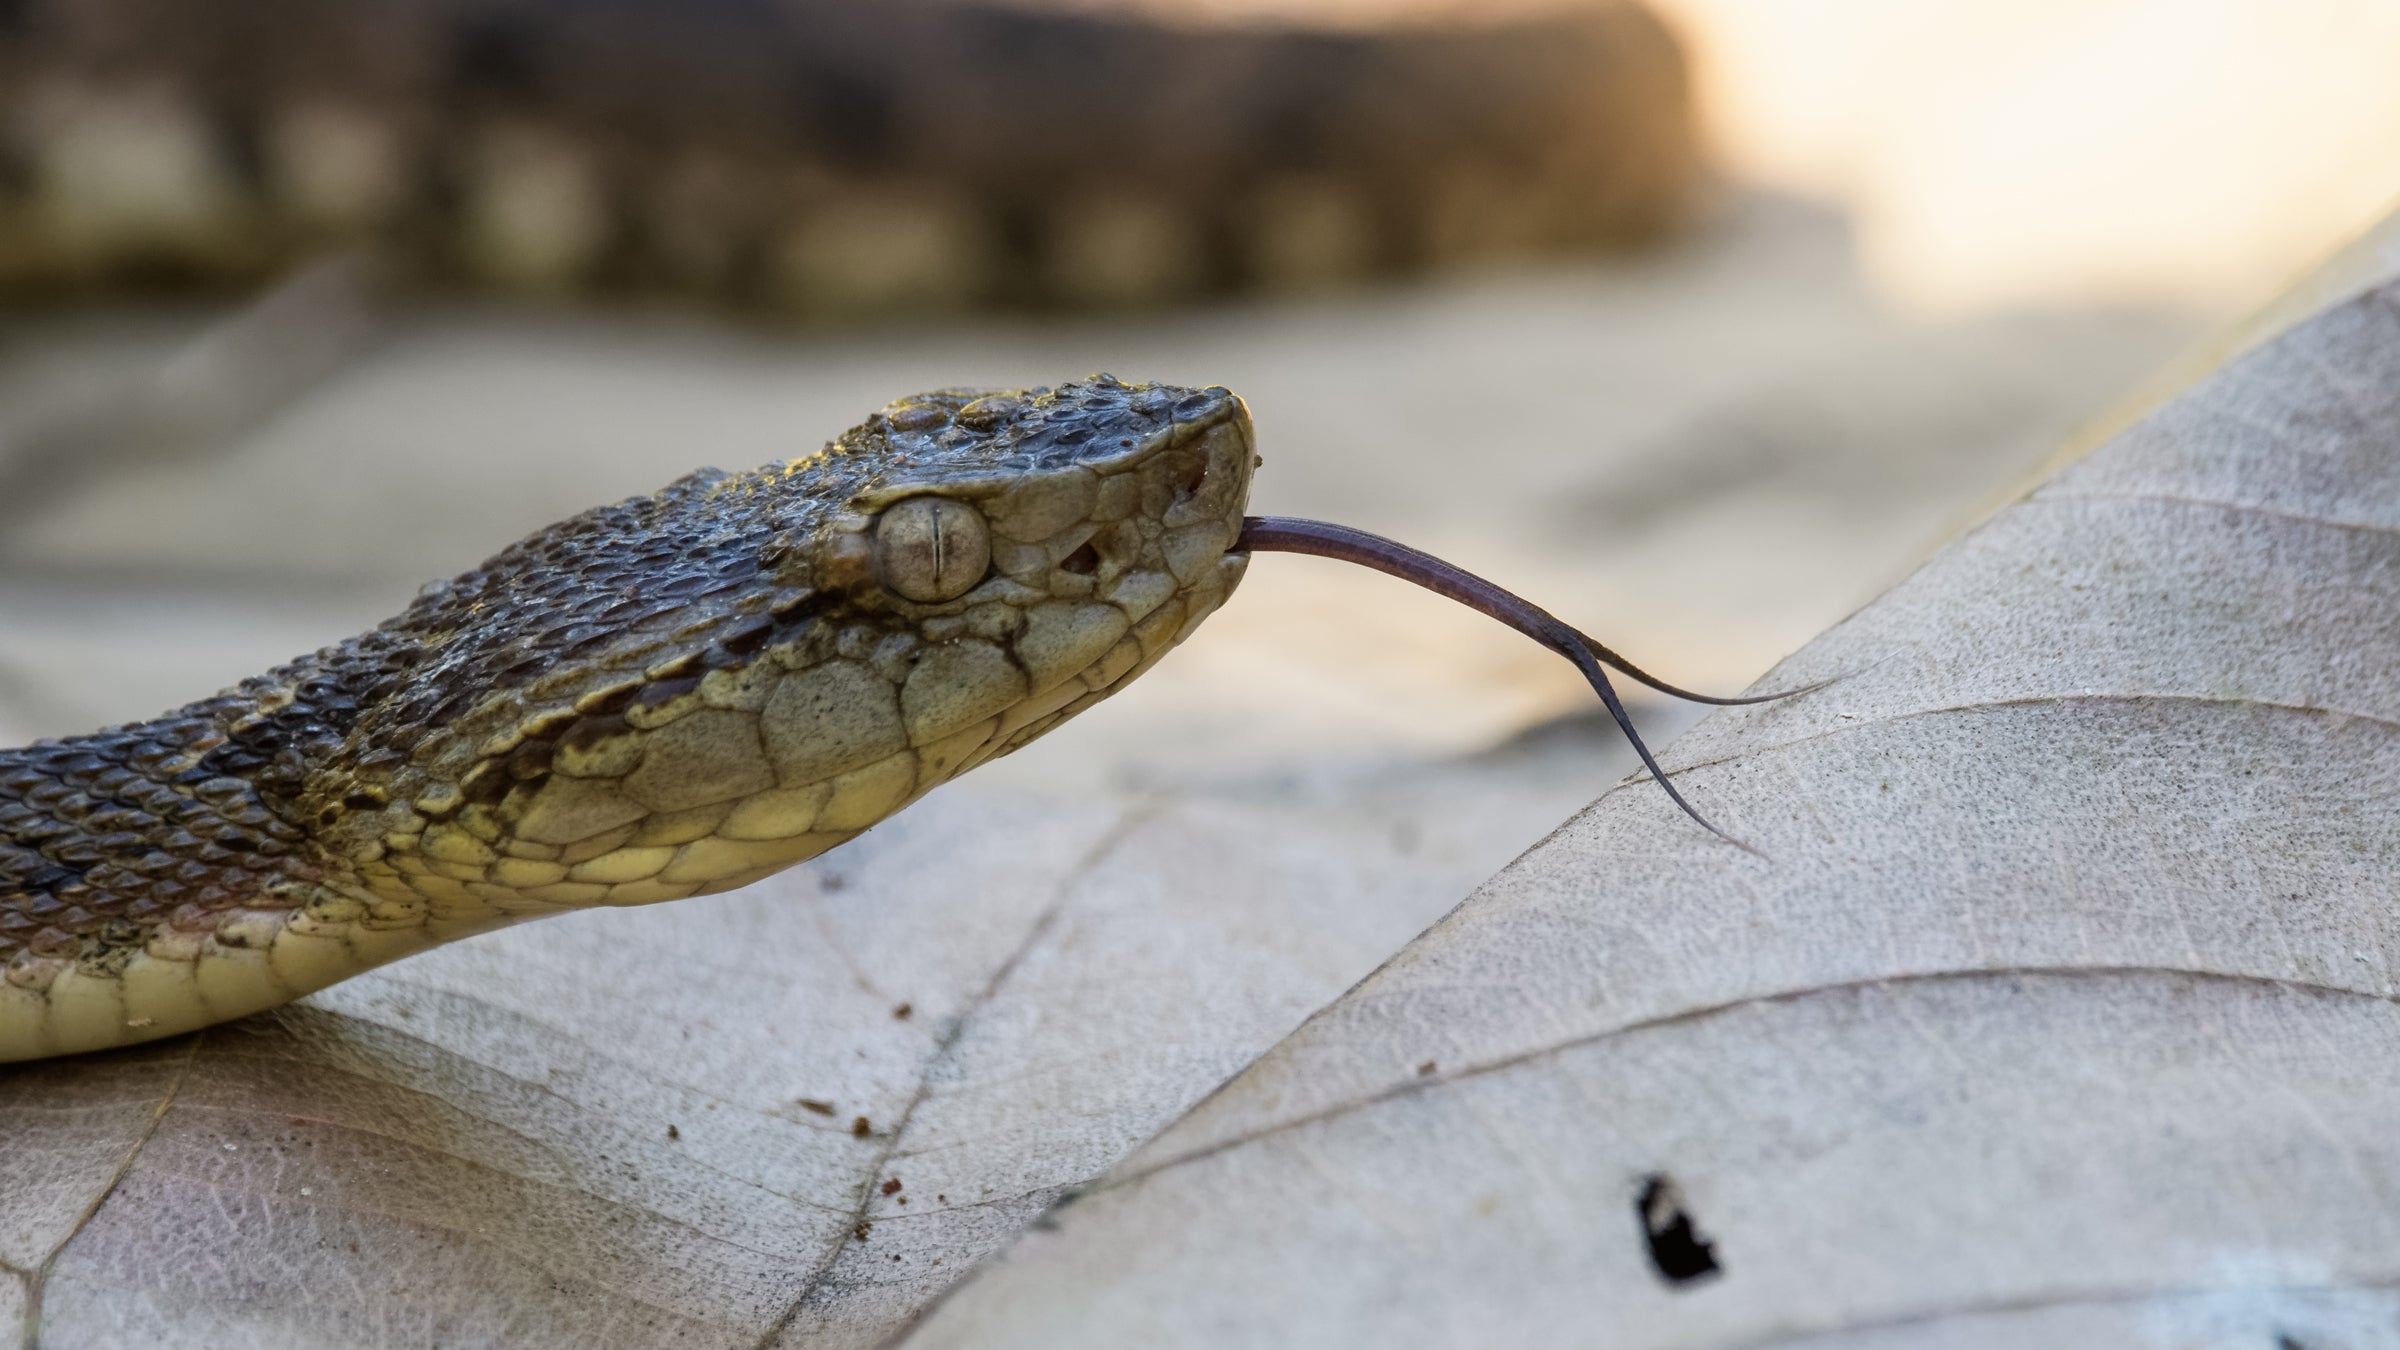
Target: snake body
point(818, 157)
point(674, 695)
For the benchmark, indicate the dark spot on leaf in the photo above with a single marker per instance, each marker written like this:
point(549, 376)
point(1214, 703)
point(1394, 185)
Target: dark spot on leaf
point(1677, 1251)
point(812, 1104)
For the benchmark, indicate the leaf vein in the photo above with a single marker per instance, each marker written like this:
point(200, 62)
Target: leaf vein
point(1411, 1086)
point(1034, 935)
point(39, 1280)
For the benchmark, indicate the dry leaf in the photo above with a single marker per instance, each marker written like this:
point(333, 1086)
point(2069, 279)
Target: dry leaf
point(2059, 1008)
point(642, 1127)
point(639, 1127)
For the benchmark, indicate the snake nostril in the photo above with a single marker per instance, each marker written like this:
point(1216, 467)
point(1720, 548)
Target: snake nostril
point(1082, 562)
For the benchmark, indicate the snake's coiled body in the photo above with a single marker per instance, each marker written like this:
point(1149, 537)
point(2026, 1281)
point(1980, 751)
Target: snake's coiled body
point(674, 695)
point(821, 157)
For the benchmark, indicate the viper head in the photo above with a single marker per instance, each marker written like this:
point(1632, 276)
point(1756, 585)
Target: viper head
point(688, 690)
point(1077, 532)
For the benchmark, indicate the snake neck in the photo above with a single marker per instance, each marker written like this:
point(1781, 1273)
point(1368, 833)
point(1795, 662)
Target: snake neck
point(182, 828)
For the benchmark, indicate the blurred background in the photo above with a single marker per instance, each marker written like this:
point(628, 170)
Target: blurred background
point(1696, 321)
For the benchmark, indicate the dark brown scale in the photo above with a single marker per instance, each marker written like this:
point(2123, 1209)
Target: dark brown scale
point(75, 808)
point(531, 761)
point(746, 637)
point(592, 731)
point(658, 616)
point(625, 612)
point(114, 877)
point(77, 852)
point(375, 764)
point(526, 668)
point(41, 830)
point(549, 725)
point(487, 782)
point(585, 639)
point(663, 692)
point(189, 811)
point(605, 701)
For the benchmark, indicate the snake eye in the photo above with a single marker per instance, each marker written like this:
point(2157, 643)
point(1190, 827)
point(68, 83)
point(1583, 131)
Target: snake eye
point(931, 549)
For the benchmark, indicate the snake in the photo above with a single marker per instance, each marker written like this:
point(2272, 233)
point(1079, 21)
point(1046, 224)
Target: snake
point(671, 696)
point(821, 158)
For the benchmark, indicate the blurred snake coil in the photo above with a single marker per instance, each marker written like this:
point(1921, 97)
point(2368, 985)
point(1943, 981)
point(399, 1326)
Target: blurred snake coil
point(820, 158)
point(675, 695)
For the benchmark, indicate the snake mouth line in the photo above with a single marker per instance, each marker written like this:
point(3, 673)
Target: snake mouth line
point(1288, 534)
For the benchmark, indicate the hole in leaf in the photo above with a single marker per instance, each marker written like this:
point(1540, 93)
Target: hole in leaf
point(1677, 1251)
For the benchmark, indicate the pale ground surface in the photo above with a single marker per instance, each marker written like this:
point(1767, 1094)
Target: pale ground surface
point(1705, 457)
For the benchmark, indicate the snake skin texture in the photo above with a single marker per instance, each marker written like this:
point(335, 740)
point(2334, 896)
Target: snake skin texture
point(674, 695)
point(818, 157)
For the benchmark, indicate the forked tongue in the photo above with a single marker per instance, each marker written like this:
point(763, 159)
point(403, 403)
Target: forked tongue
point(1287, 534)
